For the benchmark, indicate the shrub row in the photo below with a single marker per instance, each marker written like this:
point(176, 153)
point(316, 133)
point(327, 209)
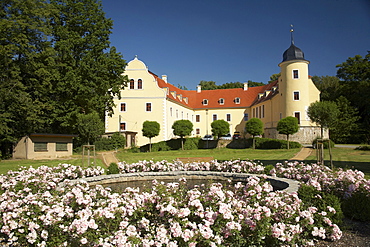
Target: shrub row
point(198, 143)
point(116, 141)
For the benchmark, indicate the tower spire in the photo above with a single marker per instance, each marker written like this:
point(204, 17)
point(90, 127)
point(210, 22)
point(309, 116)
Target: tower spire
point(291, 34)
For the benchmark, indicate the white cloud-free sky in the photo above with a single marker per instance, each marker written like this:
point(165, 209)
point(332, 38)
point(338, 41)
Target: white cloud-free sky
point(236, 40)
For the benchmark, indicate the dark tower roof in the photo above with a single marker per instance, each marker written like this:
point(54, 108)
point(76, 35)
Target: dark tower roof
point(293, 53)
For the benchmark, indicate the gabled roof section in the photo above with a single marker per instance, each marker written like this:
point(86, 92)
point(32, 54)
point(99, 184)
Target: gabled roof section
point(195, 99)
point(268, 92)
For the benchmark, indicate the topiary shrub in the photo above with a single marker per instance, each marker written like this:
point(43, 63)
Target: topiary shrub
point(112, 169)
point(311, 197)
point(357, 206)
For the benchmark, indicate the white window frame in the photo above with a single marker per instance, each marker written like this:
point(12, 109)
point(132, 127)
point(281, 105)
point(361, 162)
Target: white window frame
point(146, 106)
point(300, 116)
point(214, 117)
point(129, 84)
point(120, 107)
point(237, 100)
point(125, 124)
point(221, 101)
point(137, 83)
point(299, 96)
point(228, 114)
point(297, 74)
point(205, 101)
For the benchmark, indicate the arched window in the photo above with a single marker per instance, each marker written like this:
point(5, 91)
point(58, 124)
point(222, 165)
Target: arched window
point(205, 102)
point(132, 84)
point(139, 84)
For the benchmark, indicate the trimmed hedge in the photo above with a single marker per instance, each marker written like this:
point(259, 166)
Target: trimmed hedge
point(173, 144)
point(198, 143)
point(267, 143)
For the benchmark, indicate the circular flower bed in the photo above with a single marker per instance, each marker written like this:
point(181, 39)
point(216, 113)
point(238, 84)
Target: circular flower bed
point(36, 211)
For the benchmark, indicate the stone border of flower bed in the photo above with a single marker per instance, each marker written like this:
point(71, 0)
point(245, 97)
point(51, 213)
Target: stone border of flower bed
point(284, 184)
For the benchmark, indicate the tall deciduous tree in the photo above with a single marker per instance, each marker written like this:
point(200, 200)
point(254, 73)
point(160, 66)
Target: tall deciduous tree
point(329, 87)
point(345, 127)
point(288, 126)
point(254, 127)
point(55, 63)
point(89, 70)
point(150, 129)
point(323, 113)
point(355, 79)
point(220, 127)
point(211, 85)
point(182, 128)
point(90, 127)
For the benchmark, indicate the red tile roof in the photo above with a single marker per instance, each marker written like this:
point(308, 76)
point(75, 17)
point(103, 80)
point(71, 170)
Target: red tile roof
point(193, 99)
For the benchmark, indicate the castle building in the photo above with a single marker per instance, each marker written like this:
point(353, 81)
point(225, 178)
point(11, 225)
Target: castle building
point(149, 97)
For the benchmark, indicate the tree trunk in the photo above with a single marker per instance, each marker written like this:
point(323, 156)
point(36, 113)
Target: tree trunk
point(287, 138)
point(182, 143)
point(150, 145)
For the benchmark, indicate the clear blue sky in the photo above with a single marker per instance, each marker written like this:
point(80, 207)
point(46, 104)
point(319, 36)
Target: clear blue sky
point(236, 40)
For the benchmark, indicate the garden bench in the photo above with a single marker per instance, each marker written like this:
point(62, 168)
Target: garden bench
point(194, 159)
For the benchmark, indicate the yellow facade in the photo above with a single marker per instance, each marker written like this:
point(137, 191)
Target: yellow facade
point(148, 97)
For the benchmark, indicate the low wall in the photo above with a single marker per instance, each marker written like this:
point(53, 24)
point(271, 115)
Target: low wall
point(284, 184)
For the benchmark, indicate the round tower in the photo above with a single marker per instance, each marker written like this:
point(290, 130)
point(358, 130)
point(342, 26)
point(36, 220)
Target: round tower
point(294, 84)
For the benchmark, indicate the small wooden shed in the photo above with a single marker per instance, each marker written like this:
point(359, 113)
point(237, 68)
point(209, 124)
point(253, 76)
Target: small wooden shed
point(44, 146)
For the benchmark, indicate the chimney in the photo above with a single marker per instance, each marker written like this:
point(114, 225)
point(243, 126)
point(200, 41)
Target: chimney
point(199, 88)
point(245, 86)
point(164, 77)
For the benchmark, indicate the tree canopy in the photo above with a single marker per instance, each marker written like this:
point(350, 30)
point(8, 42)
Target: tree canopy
point(254, 127)
point(211, 85)
point(355, 81)
point(324, 113)
point(89, 126)
point(329, 87)
point(220, 127)
point(56, 63)
point(288, 126)
point(345, 127)
point(182, 128)
point(150, 129)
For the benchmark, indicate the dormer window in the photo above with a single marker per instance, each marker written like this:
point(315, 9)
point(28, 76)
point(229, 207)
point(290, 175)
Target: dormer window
point(221, 101)
point(205, 102)
point(237, 100)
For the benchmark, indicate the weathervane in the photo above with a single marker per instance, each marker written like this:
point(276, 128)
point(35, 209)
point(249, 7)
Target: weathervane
point(291, 33)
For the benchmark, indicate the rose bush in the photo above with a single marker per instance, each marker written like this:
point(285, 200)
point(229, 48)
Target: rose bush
point(36, 211)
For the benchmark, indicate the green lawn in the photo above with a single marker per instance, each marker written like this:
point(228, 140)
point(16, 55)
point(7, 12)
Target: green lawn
point(6, 165)
point(343, 157)
point(346, 158)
